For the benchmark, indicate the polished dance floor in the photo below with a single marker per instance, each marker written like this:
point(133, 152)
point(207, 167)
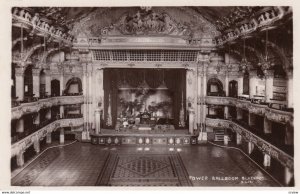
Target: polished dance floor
point(83, 164)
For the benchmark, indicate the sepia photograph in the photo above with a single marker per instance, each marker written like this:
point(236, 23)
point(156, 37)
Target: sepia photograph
point(151, 96)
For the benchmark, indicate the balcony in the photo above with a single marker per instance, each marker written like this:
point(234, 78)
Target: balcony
point(262, 109)
point(40, 131)
point(265, 146)
point(35, 106)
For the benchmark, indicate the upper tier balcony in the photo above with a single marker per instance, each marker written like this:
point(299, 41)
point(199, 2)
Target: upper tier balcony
point(38, 104)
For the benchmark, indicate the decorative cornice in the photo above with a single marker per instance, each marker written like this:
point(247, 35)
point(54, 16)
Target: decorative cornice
point(23, 144)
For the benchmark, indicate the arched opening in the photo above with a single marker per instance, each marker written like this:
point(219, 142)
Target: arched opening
point(215, 87)
point(233, 89)
point(73, 87)
point(28, 84)
point(42, 84)
point(55, 88)
point(246, 83)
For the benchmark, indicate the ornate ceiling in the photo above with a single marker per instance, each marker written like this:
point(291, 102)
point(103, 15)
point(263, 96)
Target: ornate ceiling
point(175, 21)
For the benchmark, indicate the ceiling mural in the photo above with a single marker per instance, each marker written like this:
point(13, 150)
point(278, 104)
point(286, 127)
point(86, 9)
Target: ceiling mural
point(148, 21)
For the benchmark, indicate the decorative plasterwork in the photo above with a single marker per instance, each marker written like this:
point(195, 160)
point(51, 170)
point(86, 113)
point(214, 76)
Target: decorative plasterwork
point(32, 107)
point(23, 144)
point(263, 110)
point(263, 145)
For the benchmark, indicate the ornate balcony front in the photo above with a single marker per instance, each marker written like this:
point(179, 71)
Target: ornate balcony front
point(31, 107)
point(259, 109)
point(261, 144)
point(23, 144)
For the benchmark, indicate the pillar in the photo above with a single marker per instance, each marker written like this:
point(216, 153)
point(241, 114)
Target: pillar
point(290, 102)
point(288, 175)
point(238, 139)
point(267, 160)
point(252, 83)
point(250, 147)
point(251, 120)
point(20, 159)
point(289, 134)
point(239, 113)
point(240, 84)
point(20, 125)
point(48, 82)
point(204, 92)
point(226, 84)
point(269, 76)
point(49, 138)
point(20, 83)
point(48, 114)
point(199, 99)
point(90, 97)
point(226, 139)
point(62, 136)
point(267, 126)
point(226, 113)
point(97, 121)
point(61, 82)
point(36, 145)
point(191, 121)
point(61, 111)
point(36, 82)
point(37, 119)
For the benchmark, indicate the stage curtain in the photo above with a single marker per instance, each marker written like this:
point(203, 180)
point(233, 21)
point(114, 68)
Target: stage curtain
point(174, 80)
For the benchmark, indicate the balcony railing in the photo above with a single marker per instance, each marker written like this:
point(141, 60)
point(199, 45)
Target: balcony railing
point(262, 109)
point(35, 106)
point(262, 143)
point(38, 132)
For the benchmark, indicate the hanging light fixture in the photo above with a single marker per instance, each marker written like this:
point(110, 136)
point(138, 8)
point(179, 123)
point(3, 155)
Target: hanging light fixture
point(124, 85)
point(163, 86)
point(144, 86)
point(244, 64)
point(267, 63)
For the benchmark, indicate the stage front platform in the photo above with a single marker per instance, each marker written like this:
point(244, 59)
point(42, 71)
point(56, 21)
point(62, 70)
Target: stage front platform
point(143, 137)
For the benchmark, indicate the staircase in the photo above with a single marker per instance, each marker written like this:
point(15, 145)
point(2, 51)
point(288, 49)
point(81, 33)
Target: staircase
point(219, 134)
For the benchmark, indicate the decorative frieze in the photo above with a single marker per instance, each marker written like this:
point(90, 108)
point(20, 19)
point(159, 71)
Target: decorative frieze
point(29, 140)
point(31, 107)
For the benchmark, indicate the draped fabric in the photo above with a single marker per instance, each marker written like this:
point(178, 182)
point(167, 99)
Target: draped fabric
point(114, 78)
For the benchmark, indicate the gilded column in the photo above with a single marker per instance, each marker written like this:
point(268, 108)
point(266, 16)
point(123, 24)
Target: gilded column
point(36, 81)
point(252, 83)
point(97, 121)
point(20, 159)
point(19, 73)
point(48, 81)
point(62, 136)
point(269, 76)
point(240, 84)
point(226, 83)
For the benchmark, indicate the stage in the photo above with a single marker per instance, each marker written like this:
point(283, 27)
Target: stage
point(146, 137)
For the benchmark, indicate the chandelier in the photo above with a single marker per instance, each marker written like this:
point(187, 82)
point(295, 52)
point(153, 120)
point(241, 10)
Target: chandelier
point(163, 86)
point(266, 63)
point(144, 87)
point(244, 64)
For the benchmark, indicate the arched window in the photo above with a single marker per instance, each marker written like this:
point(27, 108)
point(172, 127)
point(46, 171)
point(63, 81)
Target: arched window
point(233, 89)
point(42, 84)
point(215, 87)
point(73, 87)
point(55, 88)
point(246, 83)
point(28, 84)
